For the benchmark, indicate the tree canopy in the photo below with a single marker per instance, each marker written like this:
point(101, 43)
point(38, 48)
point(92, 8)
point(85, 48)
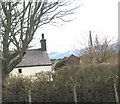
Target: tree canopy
point(20, 20)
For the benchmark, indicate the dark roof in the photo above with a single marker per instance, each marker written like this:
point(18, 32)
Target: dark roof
point(71, 56)
point(35, 57)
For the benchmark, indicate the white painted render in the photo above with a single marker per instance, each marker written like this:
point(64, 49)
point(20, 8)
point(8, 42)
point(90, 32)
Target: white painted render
point(30, 71)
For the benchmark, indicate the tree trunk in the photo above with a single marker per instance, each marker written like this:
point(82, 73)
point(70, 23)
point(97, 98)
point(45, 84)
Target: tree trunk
point(5, 63)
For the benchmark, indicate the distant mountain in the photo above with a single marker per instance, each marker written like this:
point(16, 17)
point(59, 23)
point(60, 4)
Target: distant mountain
point(56, 55)
point(115, 46)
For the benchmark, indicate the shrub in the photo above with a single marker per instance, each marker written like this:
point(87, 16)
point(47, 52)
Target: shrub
point(93, 84)
point(15, 89)
point(59, 64)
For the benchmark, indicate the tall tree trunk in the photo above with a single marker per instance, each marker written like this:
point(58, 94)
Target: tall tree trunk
point(5, 63)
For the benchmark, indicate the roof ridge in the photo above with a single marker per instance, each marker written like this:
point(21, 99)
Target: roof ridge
point(70, 56)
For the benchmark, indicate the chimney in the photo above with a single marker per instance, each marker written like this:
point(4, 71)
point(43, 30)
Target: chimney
point(43, 43)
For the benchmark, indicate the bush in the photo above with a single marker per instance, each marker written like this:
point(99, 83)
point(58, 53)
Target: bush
point(59, 64)
point(15, 89)
point(93, 84)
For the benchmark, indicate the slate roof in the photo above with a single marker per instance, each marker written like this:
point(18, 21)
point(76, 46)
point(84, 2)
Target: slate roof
point(71, 56)
point(35, 57)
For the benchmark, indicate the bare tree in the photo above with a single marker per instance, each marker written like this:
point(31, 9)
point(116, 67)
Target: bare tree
point(98, 50)
point(101, 50)
point(20, 20)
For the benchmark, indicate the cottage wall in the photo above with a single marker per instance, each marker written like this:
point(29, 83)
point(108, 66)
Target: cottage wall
point(30, 71)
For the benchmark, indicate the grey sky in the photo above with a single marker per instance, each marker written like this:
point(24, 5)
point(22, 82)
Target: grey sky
point(99, 16)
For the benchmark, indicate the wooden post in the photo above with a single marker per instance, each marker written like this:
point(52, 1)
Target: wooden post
point(75, 95)
point(116, 93)
point(29, 96)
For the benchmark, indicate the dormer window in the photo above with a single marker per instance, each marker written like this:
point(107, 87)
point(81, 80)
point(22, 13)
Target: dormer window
point(19, 70)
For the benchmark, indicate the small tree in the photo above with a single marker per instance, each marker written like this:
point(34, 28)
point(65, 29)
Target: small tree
point(20, 20)
point(97, 51)
point(101, 50)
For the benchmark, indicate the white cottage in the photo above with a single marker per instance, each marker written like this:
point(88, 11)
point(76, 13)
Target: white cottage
point(34, 61)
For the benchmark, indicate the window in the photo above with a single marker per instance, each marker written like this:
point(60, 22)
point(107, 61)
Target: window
point(19, 70)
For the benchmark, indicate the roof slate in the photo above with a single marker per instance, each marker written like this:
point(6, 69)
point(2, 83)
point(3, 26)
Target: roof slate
point(35, 57)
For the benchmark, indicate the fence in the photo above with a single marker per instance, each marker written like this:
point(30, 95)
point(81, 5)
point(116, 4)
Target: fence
point(67, 94)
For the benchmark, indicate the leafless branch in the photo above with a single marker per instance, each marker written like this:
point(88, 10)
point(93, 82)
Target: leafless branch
point(20, 20)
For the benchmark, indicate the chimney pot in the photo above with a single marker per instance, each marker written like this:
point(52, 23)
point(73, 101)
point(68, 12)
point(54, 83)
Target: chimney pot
point(42, 36)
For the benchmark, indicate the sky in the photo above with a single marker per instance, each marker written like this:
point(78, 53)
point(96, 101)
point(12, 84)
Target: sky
point(98, 16)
